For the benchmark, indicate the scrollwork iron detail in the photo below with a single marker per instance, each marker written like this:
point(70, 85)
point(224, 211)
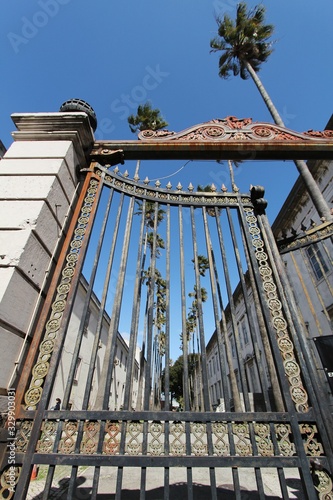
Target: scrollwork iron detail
point(311, 444)
point(134, 438)
point(291, 366)
point(177, 434)
point(112, 438)
point(263, 439)
point(90, 437)
point(40, 369)
point(23, 434)
point(8, 482)
point(285, 444)
point(199, 439)
point(156, 433)
point(323, 484)
point(68, 438)
point(220, 439)
point(242, 444)
point(47, 437)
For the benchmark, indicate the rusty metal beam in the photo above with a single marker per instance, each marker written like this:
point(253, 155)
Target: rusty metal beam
point(104, 152)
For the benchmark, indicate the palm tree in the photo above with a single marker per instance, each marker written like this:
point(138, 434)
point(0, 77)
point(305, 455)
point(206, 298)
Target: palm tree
point(245, 45)
point(146, 118)
point(154, 242)
point(150, 213)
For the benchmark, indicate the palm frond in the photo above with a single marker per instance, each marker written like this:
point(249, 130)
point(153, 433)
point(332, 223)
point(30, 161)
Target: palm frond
point(245, 40)
point(146, 118)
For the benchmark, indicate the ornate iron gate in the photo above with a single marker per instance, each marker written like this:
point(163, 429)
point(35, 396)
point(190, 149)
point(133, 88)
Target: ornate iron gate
point(172, 269)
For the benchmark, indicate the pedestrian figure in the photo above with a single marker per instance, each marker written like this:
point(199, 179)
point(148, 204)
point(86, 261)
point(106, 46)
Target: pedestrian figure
point(57, 405)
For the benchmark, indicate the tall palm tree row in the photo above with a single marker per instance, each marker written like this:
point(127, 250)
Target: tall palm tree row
point(155, 301)
point(245, 45)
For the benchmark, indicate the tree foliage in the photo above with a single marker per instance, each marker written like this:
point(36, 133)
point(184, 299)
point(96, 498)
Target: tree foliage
point(146, 118)
point(245, 40)
point(192, 316)
point(176, 374)
point(150, 213)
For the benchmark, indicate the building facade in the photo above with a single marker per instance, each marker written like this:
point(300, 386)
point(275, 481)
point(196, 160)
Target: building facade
point(305, 245)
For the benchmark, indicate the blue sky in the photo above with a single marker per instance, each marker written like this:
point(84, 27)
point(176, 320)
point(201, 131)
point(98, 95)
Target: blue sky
point(117, 55)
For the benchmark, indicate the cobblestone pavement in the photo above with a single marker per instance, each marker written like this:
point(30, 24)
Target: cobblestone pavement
point(155, 489)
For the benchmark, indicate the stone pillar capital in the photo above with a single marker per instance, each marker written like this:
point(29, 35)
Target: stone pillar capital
point(68, 126)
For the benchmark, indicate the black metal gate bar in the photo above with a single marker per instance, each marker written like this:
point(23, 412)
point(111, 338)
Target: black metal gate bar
point(242, 380)
point(233, 381)
point(98, 336)
point(135, 319)
point(316, 393)
point(185, 351)
point(234, 384)
point(115, 316)
point(51, 470)
point(139, 403)
point(195, 433)
point(217, 301)
point(83, 324)
point(253, 335)
point(238, 347)
point(149, 366)
point(167, 401)
point(254, 342)
point(228, 357)
point(304, 463)
point(207, 405)
point(86, 208)
point(69, 384)
point(114, 322)
point(276, 394)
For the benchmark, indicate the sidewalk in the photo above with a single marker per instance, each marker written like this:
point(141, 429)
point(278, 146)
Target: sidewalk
point(155, 488)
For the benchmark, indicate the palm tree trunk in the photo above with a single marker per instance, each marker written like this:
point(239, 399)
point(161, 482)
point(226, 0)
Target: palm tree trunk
point(231, 172)
point(311, 185)
point(137, 168)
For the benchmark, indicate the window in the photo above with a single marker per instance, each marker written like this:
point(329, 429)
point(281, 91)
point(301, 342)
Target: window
point(233, 348)
point(86, 323)
point(317, 261)
point(245, 334)
point(239, 331)
point(77, 369)
point(330, 314)
point(220, 388)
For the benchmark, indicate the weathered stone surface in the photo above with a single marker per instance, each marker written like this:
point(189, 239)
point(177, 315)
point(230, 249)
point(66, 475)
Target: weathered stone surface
point(17, 300)
point(22, 249)
point(34, 215)
point(38, 180)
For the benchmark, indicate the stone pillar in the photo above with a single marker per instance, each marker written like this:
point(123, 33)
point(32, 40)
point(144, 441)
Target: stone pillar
point(38, 190)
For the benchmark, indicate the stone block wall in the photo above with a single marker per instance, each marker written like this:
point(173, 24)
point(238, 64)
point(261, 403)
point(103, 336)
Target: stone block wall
point(38, 191)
